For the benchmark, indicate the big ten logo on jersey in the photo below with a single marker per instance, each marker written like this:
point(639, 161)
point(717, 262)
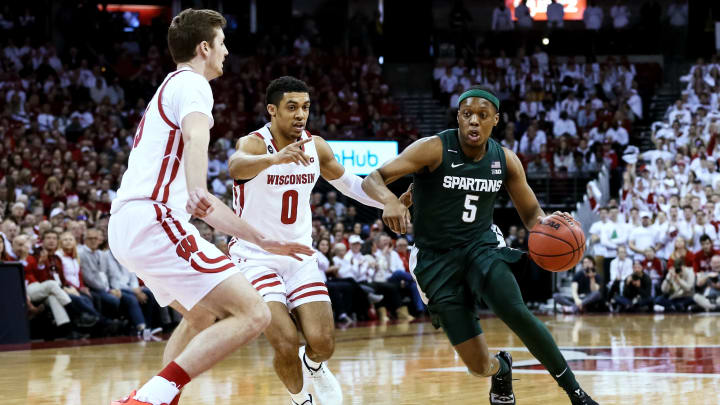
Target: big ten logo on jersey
point(270, 149)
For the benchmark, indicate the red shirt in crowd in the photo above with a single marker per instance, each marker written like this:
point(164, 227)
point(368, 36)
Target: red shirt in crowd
point(405, 257)
point(653, 266)
point(689, 257)
point(701, 261)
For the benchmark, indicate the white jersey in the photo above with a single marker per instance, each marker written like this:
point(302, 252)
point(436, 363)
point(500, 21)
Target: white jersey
point(156, 168)
point(277, 201)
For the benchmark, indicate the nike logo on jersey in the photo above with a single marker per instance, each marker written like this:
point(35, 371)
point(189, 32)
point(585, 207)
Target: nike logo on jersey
point(452, 151)
point(559, 375)
point(453, 165)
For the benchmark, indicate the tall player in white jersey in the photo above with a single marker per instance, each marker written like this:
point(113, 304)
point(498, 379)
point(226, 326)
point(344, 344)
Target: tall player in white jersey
point(150, 232)
point(275, 169)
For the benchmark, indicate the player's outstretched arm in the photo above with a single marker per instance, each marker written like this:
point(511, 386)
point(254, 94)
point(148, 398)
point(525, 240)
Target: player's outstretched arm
point(332, 171)
point(202, 204)
point(520, 192)
point(426, 152)
point(251, 157)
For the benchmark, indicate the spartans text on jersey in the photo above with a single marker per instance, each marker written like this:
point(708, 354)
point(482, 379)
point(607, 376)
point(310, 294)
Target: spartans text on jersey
point(280, 180)
point(472, 184)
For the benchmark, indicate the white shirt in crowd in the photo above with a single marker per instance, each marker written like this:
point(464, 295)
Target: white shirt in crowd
point(619, 135)
point(532, 147)
point(620, 15)
point(522, 13)
point(593, 17)
point(678, 13)
point(555, 15)
point(564, 126)
point(502, 19)
point(643, 238)
point(613, 235)
point(448, 83)
point(620, 269)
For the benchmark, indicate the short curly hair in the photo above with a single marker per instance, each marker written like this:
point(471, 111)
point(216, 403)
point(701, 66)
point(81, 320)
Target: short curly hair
point(285, 84)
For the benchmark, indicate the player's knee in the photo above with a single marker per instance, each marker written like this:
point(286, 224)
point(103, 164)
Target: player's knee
point(322, 341)
point(479, 364)
point(259, 318)
point(286, 348)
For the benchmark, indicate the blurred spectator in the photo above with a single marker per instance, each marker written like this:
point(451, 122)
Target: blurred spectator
point(677, 13)
point(678, 289)
point(681, 255)
point(701, 259)
point(522, 14)
point(501, 18)
point(593, 16)
point(362, 268)
point(555, 15)
point(620, 268)
point(586, 292)
point(42, 287)
point(637, 293)
point(708, 285)
point(401, 248)
point(620, 15)
point(643, 237)
point(654, 268)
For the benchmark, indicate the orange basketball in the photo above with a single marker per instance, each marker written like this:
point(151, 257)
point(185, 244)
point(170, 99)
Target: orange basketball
point(557, 243)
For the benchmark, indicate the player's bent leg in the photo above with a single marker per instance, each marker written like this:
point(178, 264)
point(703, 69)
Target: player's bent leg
point(283, 337)
point(502, 295)
point(318, 326)
point(192, 323)
point(316, 321)
point(245, 317)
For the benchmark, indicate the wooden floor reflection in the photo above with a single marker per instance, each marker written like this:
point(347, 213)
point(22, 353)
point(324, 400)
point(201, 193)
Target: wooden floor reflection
point(618, 359)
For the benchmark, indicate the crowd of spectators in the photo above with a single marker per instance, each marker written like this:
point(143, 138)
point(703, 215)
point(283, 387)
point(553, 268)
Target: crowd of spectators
point(561, 117)
point(67, 120)
point(597, 15)
point(656, 246)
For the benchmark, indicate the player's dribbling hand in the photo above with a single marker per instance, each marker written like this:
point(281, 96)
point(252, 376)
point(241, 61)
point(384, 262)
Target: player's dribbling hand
point(396, 216)
point(540, 219)
point(293, 153)
point(199, 203)
point(291, 249)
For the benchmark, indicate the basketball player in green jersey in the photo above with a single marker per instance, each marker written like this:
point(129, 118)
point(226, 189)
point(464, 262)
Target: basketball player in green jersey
point(460, 255)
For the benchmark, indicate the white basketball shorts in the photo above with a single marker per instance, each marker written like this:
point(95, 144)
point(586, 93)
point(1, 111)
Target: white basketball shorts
point(167, 253)
point(280, 278)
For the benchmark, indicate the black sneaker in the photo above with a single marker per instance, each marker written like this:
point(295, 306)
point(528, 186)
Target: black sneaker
point(580, 397)
point(501, 391)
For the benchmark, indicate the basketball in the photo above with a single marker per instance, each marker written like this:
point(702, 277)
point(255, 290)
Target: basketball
point(557, 243)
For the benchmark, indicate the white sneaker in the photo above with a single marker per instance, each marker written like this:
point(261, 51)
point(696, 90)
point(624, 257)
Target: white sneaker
point(308, 401)
point(327, 387)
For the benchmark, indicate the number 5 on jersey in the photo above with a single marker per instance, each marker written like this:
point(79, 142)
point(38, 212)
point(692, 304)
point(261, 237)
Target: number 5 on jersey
point(470, 208)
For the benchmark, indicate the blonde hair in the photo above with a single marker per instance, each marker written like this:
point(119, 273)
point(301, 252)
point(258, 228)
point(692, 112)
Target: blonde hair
point(74, 249)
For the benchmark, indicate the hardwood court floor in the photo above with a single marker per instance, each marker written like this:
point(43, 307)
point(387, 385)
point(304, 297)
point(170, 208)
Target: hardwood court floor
point(673, 359)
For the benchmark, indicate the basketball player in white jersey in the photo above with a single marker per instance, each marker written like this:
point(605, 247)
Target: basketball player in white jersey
point(275, 169)
point(150, 232)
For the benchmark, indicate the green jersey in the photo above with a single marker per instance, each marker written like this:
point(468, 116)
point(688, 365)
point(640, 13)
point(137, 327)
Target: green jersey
point(453, 205)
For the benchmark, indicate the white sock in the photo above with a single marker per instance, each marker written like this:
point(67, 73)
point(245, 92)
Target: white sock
point(157, 391)
point(301, 396)
point(312, 364)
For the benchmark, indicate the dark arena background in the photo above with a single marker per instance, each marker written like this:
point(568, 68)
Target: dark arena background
point(613, 108)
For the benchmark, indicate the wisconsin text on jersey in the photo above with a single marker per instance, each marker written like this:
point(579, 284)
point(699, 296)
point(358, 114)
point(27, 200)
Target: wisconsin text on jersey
point(279, 180)
point(471, 184)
